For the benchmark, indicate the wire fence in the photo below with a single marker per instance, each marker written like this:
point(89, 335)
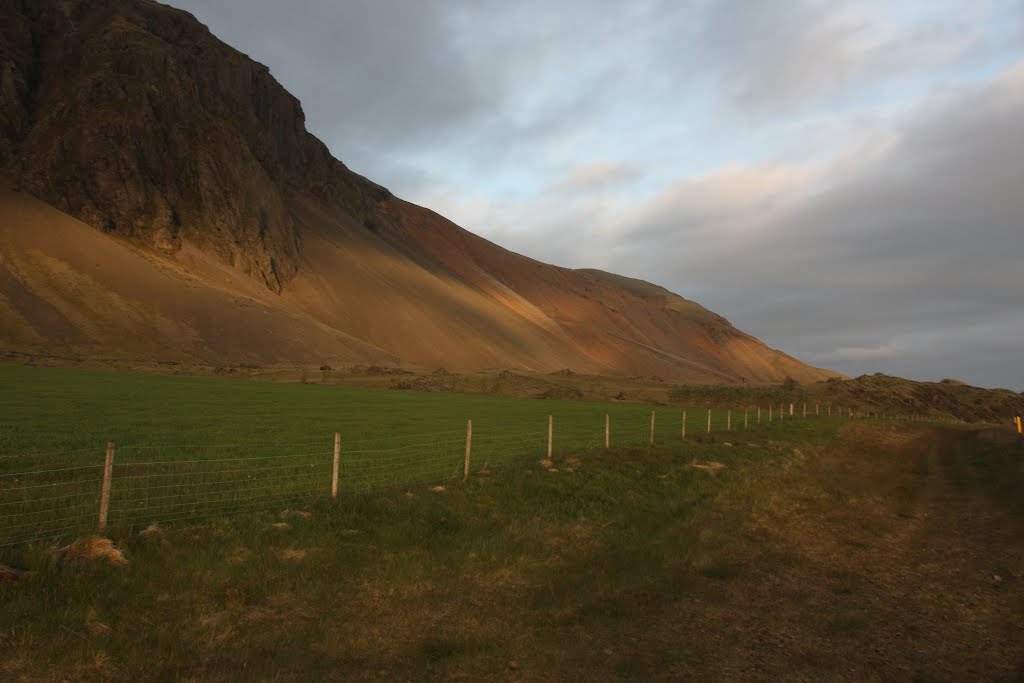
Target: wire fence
point(56, 495)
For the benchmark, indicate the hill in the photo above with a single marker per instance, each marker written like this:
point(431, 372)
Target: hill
point(165, 201)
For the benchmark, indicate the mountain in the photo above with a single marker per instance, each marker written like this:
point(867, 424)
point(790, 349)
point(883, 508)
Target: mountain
point(163, 199)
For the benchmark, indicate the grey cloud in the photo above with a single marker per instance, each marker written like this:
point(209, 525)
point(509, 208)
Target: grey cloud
point(596, 176)
point(926, 241)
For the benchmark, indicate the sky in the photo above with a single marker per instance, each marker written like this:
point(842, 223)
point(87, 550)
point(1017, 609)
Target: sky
point(842, 179)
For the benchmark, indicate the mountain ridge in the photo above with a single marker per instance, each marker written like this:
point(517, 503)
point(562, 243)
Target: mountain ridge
point(131, 117)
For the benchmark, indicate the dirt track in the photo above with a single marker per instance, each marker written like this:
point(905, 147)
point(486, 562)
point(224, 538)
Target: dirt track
point(892, 557)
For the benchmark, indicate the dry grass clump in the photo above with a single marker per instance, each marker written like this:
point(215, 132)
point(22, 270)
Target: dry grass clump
point(710, 467)
point(11, 573)
point(151, 533)
point(293, 554)
point(92, 549)
point(238, 556)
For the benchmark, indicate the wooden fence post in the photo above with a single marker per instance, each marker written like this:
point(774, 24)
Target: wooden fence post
point(469, 447)
point(607, 431)
point(745, 412)
point(709, 420)
point(551, 432)
point(652, 427)
point(816, 408)
point(759, 415)
point(684, 426)
point(334, 470)
point(805, 408)
point(728, 420)
point(108, 470)
point(769, 412)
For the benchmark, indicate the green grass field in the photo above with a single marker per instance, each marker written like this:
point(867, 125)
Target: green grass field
point(813, 549)
point(188, 448)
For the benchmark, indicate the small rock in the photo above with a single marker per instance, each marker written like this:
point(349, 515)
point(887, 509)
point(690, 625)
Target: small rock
point(410, 495)
point(727, 444)
point(438, 489)
point(281, 525)
point(513, 664)
point(996, 579)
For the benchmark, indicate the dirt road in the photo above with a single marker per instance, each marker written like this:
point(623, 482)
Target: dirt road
point(890, 556)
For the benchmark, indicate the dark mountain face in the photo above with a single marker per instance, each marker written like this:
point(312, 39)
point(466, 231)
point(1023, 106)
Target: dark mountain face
point(132, 117)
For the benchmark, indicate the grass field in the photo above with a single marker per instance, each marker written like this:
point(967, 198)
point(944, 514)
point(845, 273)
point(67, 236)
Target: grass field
point(194, 447)
point(823, 550)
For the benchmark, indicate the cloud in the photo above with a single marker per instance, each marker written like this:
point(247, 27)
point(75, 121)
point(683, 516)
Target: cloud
point(857, 353)
point(595, 177)
point(923, 240)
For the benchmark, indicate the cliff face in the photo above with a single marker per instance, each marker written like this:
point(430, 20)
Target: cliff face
point(131, 117)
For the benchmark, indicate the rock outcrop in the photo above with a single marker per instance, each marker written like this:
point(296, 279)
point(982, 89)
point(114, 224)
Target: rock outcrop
point(133, 118)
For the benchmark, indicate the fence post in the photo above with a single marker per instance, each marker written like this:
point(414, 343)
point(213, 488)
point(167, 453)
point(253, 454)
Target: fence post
point(607, 431)
point(334, 470)
point(745, 412)
point(469, 447)
point(728, 420)
point(709, 420)
point(652, 427)
point(816, 408)
point(769, 412)
point(759, 415)
point(805, 408)
point(684, 426)
point(108, 470)
point(551, 432)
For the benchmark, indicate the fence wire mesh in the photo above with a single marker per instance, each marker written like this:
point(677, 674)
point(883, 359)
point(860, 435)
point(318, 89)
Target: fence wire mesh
point(55, 495)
